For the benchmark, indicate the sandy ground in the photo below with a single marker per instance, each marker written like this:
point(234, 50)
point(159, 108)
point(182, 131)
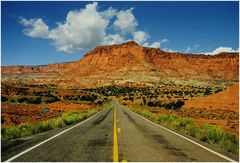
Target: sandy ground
point(221, 109)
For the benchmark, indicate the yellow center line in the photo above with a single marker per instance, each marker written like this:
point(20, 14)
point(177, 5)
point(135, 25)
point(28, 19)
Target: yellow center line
point(115, 140)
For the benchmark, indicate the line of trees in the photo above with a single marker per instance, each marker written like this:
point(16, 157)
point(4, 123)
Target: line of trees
point(174, 105)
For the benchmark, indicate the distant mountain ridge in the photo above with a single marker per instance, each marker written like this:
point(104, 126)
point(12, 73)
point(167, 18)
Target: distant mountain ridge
point(129, 62)
point(54, 67)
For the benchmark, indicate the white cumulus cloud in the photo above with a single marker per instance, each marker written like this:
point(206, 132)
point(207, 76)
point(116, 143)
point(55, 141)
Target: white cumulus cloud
point(153, 45)
point(113, 39)
point(82, 29)
point(85, 28)
point(156, 44)
point(125, 21)
point(109, 13)
point(88, 27)
point(170, 50)
point(35, 28)
point(164, 41)
point(140, 36)
point(220, 50)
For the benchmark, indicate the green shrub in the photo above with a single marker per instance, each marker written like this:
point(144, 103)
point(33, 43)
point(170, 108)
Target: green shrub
point(43, 126)
point(69, 119)
point(211, 134)
point(21, 100)
point(184, 123)
point(191, 130)
point(36, 100)
point(4, 99)
point(59, 122)
point(10, 132)
point(230, 142)
point(74, 117)
point(179, 104)
point(169, 118)
point(12, 100)
point(24, 129)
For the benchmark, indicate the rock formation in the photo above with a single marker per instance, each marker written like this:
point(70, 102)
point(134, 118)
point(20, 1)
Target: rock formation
point(129, 62)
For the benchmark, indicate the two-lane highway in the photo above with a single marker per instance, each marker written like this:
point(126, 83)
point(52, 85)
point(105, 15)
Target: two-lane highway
point(141, 141)
point(116, 134)
point(90, 141)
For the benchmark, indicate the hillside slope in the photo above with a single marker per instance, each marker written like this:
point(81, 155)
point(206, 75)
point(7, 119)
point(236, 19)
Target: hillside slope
point(220, 109)
point(130, 63)
point(227, 99)
point(130, 56)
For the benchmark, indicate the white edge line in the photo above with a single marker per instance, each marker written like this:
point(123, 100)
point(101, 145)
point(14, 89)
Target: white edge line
point(210, 150)
point(37, 145)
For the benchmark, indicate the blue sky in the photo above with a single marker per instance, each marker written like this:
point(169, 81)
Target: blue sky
point(38, 33)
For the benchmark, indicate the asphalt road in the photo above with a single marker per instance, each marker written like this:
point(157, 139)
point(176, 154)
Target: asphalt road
point(142, 141)
point(135, 140)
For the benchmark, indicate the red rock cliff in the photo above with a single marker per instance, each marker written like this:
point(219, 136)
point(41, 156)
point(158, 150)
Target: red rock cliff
point(116, 60)
point(131, 57)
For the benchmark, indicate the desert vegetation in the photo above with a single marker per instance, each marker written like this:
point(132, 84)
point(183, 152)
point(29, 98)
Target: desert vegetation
point(174, 105)
point(217, 105)
point(168, 91)
point(22, 105)
point(29, 103)
point(26, 129)
point(211, 134)
point(32, 109)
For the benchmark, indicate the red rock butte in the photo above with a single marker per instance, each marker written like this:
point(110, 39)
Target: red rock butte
point(131, 63)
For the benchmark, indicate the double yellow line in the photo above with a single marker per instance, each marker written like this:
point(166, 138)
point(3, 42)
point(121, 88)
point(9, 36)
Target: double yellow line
point(115, 139)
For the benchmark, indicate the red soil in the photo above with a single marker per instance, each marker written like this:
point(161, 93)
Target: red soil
point(221, 109)
point(14, 114)
point(226, 100)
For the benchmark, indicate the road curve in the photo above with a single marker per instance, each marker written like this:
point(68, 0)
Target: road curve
point(135, 140)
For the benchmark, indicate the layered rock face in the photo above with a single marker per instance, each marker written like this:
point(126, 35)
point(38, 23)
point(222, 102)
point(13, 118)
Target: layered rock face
point(200, 67)
point(108, 60)
point(50, 68)
point(126, 57)
point(131, 62)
